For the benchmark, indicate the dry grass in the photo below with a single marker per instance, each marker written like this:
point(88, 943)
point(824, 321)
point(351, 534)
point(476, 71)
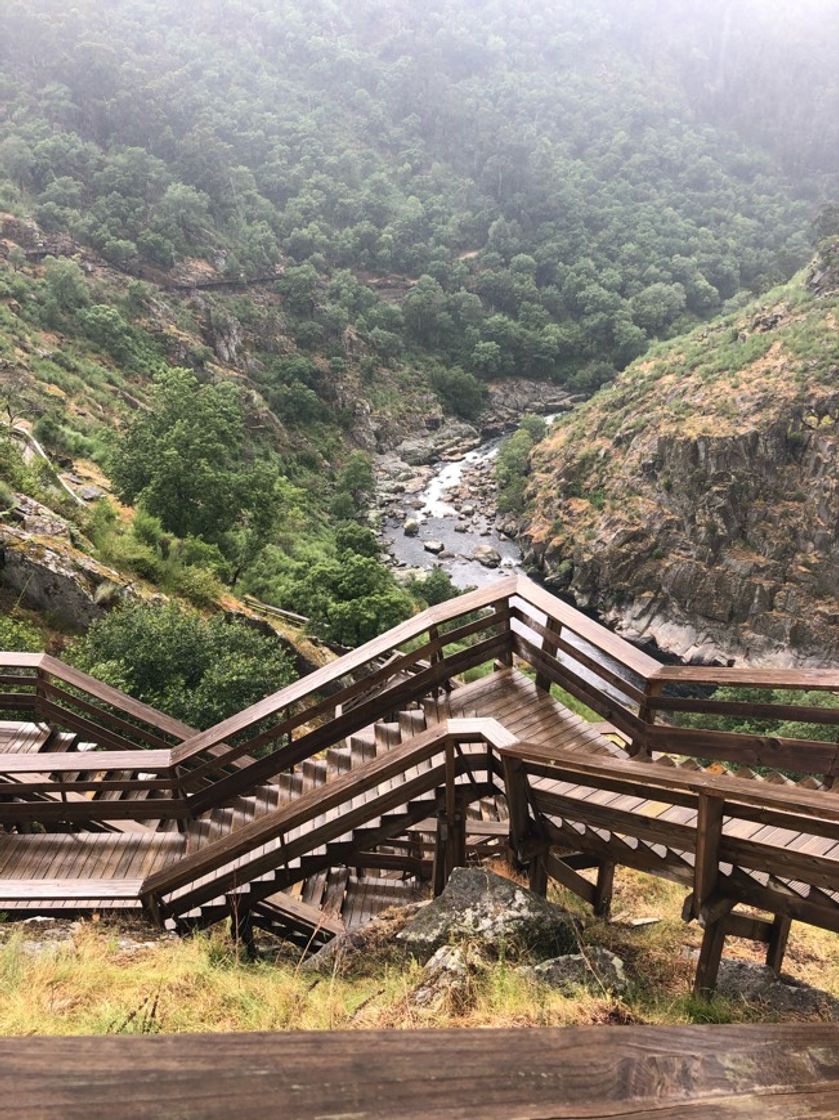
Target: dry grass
point(97, 980)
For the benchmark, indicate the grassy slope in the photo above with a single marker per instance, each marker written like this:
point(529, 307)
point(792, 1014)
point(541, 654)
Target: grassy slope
point(98, 983)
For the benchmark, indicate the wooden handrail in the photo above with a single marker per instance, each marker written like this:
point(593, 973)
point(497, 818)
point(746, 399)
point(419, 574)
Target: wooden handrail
point(106, 694)
point(623, 684)
point(343, 666)
point(808, 680)
point(792, 798)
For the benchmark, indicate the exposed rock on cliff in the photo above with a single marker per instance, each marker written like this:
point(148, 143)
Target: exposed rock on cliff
point(43, 563)
point(696, 501)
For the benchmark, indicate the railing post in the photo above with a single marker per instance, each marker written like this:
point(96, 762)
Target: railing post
point(543, 681)
point(647, 714)
point(40, 692)
point(706, 862)
point(506, 657)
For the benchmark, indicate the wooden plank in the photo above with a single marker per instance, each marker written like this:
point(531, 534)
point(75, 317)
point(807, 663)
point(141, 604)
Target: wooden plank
point(800, 712)
point(592, 632)
point(108, 695)
point(606, 706)
point(553, 641)
point(708, 836)
point(48, 890)
point(85, 761)
point(647, 1073)
point(809, 680)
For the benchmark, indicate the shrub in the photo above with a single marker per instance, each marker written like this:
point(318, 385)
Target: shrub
point(196, 669)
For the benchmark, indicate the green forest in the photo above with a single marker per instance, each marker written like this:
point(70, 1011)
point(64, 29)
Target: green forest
point(424, 197)
point(560, 188)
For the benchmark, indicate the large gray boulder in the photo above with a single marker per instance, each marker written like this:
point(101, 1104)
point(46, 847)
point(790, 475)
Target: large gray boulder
point(496, 913)
point(487, 555)
point(596, 968)
point(755, 984)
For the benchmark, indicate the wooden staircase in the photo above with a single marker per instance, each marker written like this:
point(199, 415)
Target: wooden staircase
point(364, 783)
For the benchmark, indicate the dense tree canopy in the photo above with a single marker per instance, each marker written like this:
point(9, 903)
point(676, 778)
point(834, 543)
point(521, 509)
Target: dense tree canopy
point(558, 182)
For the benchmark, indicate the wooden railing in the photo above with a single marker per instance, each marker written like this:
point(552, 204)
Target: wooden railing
point(642, 699)
point(707, 839)
point(44, 688)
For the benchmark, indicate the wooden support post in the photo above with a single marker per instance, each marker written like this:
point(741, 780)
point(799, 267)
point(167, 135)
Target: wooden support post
point(558, 869)
point(640, 750)
point(151, 907)
point(543, 681)
point(603, 889)
point(456, 840)
point(710, 955)
point(706, 863)
point(518, 803)
point(537, 875)
point(439, 869)
point(778, 942)
point(506, 657)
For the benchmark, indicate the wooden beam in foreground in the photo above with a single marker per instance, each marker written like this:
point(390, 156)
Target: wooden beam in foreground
point(649, 1073)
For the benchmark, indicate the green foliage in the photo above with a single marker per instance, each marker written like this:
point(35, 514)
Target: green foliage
point(460, 392)
point(540, 220)
point(19, 636)
point(435, 588)
point(767, 726)
point(513, 463)
point(351, 600)
point(184, 461)
point(357, 480)
point(196, 669)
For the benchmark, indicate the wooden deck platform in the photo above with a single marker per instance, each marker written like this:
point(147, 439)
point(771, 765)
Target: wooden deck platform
point(646, 1073)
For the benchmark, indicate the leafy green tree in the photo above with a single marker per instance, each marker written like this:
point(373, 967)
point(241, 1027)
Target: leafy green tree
point(356, 478)
point(351, 600)
point(460, 391)
point(66, 284)
point(184, 461)
point(195, 669)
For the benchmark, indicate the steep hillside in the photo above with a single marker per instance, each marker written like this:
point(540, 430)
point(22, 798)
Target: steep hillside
point(533, 190)
point(695, 502)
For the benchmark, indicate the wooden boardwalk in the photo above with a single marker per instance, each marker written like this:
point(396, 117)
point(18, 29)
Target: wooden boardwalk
point(363, 784)
point(646, 1073)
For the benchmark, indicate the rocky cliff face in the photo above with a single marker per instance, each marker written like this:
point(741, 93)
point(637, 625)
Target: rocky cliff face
point(695, 503)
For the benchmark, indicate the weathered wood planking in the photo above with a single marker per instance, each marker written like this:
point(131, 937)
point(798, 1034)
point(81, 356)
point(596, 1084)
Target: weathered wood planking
point(785, 1072)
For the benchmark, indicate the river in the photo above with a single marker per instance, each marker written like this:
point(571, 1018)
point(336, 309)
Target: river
point(437, 517)
point(438, 507)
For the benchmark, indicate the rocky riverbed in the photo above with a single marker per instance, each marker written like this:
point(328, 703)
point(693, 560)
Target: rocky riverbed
point(437, 505)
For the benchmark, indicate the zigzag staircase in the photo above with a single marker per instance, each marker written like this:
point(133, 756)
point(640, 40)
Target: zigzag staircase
point(364, 783)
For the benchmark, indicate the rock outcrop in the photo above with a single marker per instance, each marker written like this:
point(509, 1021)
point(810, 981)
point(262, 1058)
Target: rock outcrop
point(755, 984)
point(695, 503)
point(40, 560)
point(597, 968)
point(497, 914)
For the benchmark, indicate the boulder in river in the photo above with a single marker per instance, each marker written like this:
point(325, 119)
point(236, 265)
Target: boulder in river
point(488, 556)
point(435, 547)
point(411, 527)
